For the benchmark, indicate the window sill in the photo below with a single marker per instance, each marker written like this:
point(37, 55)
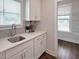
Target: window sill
point(2, 27)
point(65, 31)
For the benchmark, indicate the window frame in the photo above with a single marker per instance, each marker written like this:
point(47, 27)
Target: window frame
point(2, 27)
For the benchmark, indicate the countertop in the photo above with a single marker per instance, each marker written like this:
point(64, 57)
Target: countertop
point(5, 44)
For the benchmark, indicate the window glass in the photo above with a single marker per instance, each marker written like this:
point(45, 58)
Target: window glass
point(10, 18)
point(12, 6)
point(10, 12)
point(64, 12)
point(1, 5)
point(63, 25)
point(63, 17)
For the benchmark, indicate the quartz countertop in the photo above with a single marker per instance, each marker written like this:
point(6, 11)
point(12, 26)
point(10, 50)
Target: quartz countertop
point(5, 44)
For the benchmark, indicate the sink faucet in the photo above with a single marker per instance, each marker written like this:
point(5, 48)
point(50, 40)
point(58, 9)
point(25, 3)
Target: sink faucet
point(12, 31)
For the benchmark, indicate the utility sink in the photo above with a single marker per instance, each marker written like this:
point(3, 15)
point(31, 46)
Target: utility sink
point(16, 39)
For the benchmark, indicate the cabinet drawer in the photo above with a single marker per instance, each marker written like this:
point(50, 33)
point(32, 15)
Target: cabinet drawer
point(18, 48)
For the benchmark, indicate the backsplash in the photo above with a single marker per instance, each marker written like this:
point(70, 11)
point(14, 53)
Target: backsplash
point(5, 33)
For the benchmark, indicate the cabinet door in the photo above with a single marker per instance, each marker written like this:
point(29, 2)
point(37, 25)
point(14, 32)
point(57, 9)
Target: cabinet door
point(36, 9)
point(43, 43)
point(2, 56)
point(32, 10)
point(17, 56)
point(28, 53)
point(37, 48)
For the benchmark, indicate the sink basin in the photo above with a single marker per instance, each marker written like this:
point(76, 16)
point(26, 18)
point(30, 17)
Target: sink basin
point(16, 39)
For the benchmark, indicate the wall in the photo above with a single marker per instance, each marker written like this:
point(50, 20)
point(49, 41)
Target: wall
point(69, 36)
point(48, 23)
point(75, 16)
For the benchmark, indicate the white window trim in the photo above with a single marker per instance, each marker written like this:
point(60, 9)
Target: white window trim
point(9, 27)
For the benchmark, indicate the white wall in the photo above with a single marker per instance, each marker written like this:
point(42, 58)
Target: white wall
point(75, 16)
point(69, 36)
point(48, 23)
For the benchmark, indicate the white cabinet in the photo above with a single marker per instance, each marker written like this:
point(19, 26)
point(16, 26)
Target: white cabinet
point(2, 55)
point(32, 49)
point(43, 38)
point(32, 10)
point(27, 53)
point(40, 45)
point(23, 51)
point(17, 56)
point(37, 47)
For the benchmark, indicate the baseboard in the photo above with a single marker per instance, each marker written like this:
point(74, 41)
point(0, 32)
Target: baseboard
point(69, 40)
point(51, 53)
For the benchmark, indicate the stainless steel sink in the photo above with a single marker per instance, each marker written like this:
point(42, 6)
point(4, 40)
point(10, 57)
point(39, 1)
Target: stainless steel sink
point(16, 39)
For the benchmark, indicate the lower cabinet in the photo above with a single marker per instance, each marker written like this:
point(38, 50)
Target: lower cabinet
point(31, 49)
point(40, 45)
point(2, 55)
point(27, 53)
point(22, 51)
point(37, 47)
point(17, 56)
point(43, 43)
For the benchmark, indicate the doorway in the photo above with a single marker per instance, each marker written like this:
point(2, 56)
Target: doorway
point(68, 29)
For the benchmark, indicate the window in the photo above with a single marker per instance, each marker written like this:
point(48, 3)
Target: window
point(64, 12)
point(10, 12)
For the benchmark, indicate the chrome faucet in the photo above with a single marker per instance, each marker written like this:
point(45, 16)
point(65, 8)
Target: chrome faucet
point(12, 31)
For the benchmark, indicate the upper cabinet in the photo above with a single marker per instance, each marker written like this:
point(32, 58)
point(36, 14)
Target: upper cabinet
point(32, 10)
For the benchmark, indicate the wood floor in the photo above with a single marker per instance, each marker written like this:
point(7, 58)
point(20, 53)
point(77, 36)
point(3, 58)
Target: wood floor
point(67, 50)
point(47, 56)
